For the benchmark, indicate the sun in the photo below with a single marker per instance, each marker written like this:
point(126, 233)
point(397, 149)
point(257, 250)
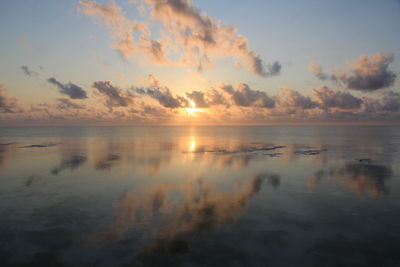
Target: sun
point(192, 110)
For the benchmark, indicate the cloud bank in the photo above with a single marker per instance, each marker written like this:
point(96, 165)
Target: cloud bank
point(220, 104)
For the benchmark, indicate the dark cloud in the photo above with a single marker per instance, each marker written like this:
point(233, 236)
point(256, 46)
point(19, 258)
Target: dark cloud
point(258, 67)
point(207, 98)
point(27, 71)
point(365, 74)
point(244, 96)
point(389, 103)
point(198, 97)
point(215, 98)
point(65, 103)
point(8, 104)
point(69, 89)
point(331, 98)
point(163, 96)
point(115, 97)
point(272, 70)
point(292, 98)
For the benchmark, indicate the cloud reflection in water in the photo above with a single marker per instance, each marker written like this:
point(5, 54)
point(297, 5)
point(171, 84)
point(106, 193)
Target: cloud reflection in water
point(200, 208)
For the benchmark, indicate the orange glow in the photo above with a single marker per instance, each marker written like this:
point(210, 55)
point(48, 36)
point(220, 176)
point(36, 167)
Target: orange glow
point(192, 110)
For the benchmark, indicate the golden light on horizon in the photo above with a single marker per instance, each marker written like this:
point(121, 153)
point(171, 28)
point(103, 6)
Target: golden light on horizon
point(192, 110)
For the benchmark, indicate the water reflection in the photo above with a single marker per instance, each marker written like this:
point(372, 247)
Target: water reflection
point(106, 163)
point(199, 197)
point(5, 151)
point(198, 209)
point(32, 180)
point(362, 178)
point(72, 162)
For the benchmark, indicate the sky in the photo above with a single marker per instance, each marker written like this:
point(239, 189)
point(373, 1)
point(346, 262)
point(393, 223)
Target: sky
point(199, 62)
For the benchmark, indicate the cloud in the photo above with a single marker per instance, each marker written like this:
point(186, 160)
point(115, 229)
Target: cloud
point(291, 98)
point(365, 74)
point(124, 29)
point(389, 103)
point(27, 71)
point(8, 104)
point(115, 97)
point(274, 69)
point(69, 89)
point(317, 70)
point(223, 104)
point(331, 98)
point(164, 97)
point(161, 93)
point(65, 103)
point(188, 36)
point(198, 97)
point(244, 96)
point(207, 98)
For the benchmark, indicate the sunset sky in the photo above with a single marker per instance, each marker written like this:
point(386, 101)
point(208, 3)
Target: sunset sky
point(204, 62)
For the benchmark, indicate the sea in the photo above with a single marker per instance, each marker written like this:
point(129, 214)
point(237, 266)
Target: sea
point(200, 196)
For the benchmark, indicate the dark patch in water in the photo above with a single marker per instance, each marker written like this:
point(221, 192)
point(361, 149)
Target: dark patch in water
point(107, 163)
point(272, 155)
point(370, 250)
point(39, 146)
point(364, 160)
point(310, 152)
point(31, 180)
point(52, 238)
point(245, 149)
point(71, 163)
point(8, 144)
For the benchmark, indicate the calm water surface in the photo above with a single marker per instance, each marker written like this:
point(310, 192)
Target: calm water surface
point(200, 196)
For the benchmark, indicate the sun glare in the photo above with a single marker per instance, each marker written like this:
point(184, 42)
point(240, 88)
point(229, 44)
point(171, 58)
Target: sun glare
point(192, 110)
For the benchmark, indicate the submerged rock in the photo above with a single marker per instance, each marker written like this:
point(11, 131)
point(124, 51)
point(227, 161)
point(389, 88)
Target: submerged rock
point(310, 152)
point(39, 146)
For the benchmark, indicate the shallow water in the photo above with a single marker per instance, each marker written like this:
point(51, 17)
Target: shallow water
point(200, 196)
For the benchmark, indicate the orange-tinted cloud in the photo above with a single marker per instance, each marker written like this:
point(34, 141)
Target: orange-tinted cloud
point(195, 36)
point(8, 104)
point(365, 74)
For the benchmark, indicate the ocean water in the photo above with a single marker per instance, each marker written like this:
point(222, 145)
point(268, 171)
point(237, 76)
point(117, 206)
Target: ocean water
point(200, 196)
